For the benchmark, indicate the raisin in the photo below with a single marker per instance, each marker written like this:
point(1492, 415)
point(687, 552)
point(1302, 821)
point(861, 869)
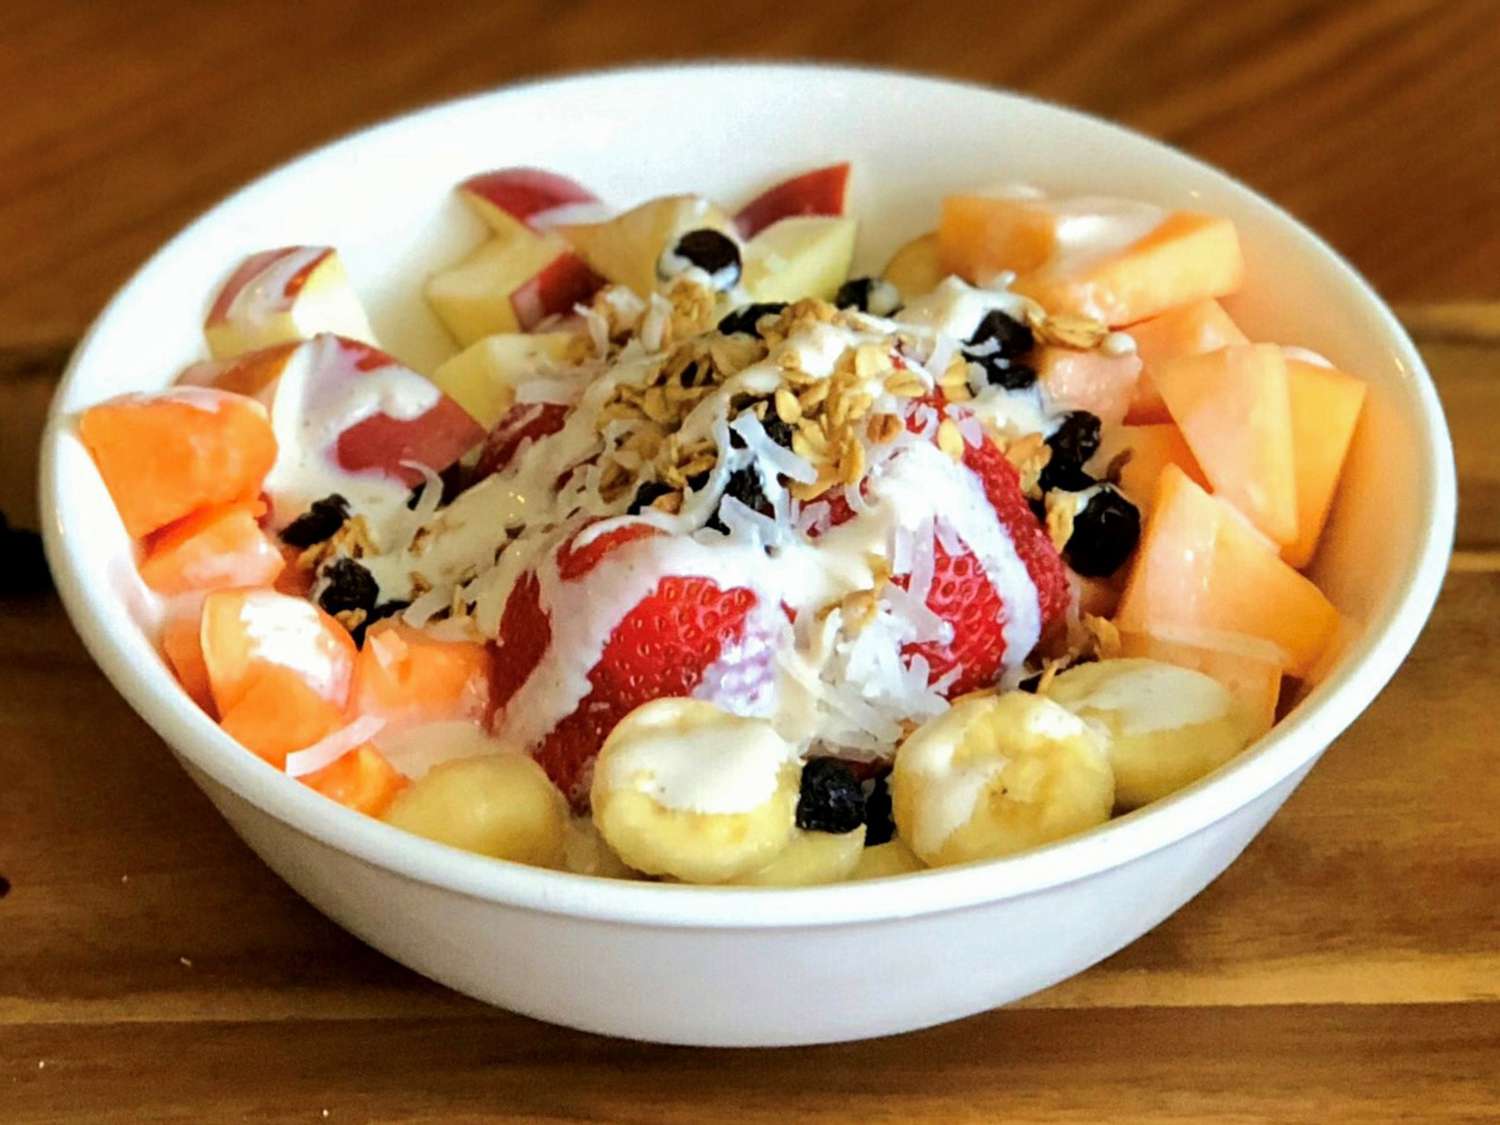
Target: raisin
point(1105, 533)
point(1014, 338)
point(346, 586)
point(319, 523)
point(744, 485)
point(869, 295)
point(648, 492)
point(743, 320)
point(713, 252)
point(831, 799)
point(1009, 374)
point(880, 823)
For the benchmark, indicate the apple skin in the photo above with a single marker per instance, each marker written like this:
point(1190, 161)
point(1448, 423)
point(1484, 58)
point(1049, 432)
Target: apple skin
point(511, 199)
point(564, 282)
point(822, 191)
point(281, 295)
point(532, 421)
point(509, 285)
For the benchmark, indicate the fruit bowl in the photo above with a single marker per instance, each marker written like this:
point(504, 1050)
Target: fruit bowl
point(751, 966)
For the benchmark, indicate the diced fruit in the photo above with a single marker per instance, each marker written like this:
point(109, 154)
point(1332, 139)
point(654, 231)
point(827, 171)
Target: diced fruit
point(1188, 257)
point(499, 805)
point(1234, 411)
point(811, 859)
point(884, 860)
point(916, 268)
point(799, 257)
point(628, 248)
point(1150, 449)
point(994, 775)
point(183, 649)
point(250, 635)
point(517, 426)
point(516, 201)
point(822, 191)
point(1101, 384)
point(278, 713)
point(1192, 329)
point(361, 780)
point(644, 783)
point(1325, 410)
point(376, 420)
point(219, 546)
point(252, 373)
point(406, 676)
point(280, 295)
point(483, 377)
point(509, 286)
point(164, 456)
point(1168, 726)
point(1201, 568)
point(981, 235)
point(1253, 678)
point(586, 853)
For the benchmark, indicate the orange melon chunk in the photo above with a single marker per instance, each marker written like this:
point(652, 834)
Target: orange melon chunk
point(980, 235)
point(1101, 384)
point(164, 456)
point(1202, 326)
point(1253, 680)
point(1202, 569)
point(1234, 410)
point(219, 546)
point(279, 669)
point(184, 653)
point(362, 780)
point(405, 676)
point(1188, 257)
point(1325, 409)
point(1151, 449)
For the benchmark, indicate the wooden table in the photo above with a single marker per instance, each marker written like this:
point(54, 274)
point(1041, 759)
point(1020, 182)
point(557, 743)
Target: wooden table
point(1347, 968)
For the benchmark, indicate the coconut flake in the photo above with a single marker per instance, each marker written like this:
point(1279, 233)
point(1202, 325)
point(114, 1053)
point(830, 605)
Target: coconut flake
point(325, 752)
point(781, 459)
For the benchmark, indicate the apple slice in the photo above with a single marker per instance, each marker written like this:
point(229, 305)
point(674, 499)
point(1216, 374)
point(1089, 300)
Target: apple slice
point(483, 377)
point(520, 201)
point(917, 267)
point(799, 257)
point(627, 248)
point(349, 419)
point(288, 294)
point(823, 191)
point(510, 285)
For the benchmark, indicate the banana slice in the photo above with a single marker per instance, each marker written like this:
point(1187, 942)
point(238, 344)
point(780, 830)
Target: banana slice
point(500, 805)
point(883, 860)
point(812, 858)
point(997, 774)
point(586, 853)
point(685, 789)
point(1167, 726)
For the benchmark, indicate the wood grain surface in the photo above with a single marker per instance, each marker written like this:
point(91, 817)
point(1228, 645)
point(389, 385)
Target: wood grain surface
point(1347, 968)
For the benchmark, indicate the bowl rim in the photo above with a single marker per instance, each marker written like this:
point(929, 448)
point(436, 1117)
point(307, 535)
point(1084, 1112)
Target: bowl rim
point(1291, 745)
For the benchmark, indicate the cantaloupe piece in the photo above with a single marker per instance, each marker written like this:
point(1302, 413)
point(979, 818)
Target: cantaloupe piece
point(184, 653)
point(1325, 410)
point(1077, 380)
point(1192, 329)
point(980, 235)
point(1187, 258)
point(403, 675)
point(1151, 449)
point(279, 669)
point(164, 456)
point(1234, 410)
point(1253, 680)
point(1201, 568)
point(222, 545)
point(362, 780)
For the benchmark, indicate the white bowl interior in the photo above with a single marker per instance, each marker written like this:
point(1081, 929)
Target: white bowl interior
point(383, 197)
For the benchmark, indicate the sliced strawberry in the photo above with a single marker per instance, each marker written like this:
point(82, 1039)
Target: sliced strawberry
point(530, 421)
point(963, 596)
point(660, 648)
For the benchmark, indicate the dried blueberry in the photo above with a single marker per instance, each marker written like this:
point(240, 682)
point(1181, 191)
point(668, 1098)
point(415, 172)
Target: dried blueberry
point(1013, 339)
point(744, 485)
point(319, 523)
point(1009, 374)
point(1105, 532)
point(743, 320)
point(831, 799)
point(872, 295)
point(712, 251)
point(880, 824)
point(778, 431)
point(1072, 444)
point(383, 610)
point(347, 585)
point(648, 492)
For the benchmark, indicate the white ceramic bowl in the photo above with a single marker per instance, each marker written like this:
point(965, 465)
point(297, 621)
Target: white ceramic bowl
point(749, 966)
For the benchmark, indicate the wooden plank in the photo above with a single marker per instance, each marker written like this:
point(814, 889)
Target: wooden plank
point(1373, 121)
point(1410, 1062)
